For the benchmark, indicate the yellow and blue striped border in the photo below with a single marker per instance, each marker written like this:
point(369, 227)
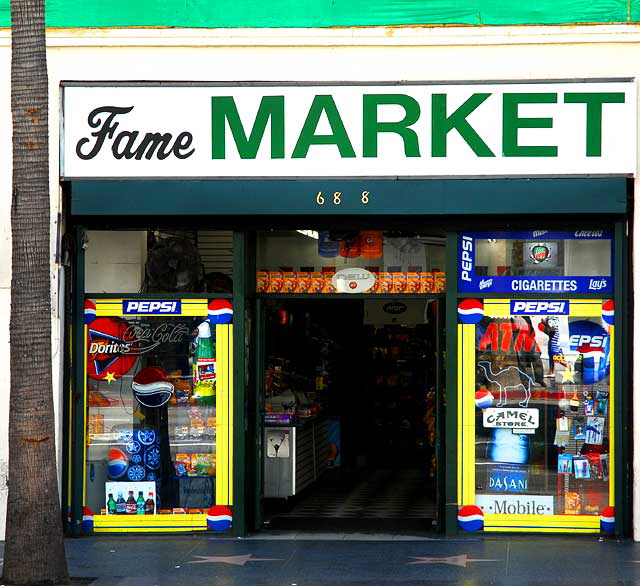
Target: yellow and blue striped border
point(224, 430)
point(189, 308)
point(501, 308)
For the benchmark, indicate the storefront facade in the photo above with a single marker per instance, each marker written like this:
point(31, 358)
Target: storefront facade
point(541, 171)
point(551, 282)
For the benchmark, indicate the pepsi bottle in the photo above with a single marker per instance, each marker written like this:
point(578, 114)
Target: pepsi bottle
point(121, 506)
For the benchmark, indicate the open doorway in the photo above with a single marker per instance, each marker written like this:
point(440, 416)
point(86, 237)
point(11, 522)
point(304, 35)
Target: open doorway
point(351, 414)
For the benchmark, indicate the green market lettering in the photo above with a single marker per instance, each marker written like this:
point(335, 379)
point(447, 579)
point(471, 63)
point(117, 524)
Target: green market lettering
point(248, 135)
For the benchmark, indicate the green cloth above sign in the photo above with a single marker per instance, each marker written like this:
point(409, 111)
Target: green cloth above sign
point(328, 13)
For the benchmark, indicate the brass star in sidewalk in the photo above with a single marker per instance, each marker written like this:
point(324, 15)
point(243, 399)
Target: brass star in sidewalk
point(455, 560)
point(235, 560)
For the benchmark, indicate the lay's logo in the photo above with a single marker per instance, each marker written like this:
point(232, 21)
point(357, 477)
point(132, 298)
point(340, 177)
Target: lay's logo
point(553, 307)
point(155, 307)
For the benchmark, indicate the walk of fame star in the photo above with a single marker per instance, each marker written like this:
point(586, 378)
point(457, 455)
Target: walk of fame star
point(235, 560)
point(455, 560)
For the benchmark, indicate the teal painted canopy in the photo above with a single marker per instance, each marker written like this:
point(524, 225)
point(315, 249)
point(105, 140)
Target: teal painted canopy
point(328, 13)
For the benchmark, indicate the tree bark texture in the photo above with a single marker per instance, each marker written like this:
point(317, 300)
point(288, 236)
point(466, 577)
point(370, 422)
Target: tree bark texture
point(34, 548)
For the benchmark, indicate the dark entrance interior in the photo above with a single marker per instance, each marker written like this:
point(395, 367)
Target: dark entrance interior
point(361, 377)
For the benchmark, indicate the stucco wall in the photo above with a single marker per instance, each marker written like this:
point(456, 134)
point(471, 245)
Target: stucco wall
point(306, 55)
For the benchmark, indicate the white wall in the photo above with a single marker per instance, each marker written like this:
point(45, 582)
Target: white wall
point(114, 261)
point(380, 54)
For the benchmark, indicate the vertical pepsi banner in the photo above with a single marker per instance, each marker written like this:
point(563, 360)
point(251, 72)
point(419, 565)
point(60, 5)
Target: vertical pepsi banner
point(159, 396)
point(536, 415)
point(535, 262)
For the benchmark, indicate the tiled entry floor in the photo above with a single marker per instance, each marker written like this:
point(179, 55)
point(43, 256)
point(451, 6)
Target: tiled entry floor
point(374, 499)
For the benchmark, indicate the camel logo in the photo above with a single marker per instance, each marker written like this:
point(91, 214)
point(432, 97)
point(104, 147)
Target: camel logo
point(539, 253)
point(506, 379)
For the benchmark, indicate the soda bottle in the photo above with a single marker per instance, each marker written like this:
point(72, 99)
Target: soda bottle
point(149, 505)
point(121, 507)
point(111, 505)
point(131, 506)
point(140, 504)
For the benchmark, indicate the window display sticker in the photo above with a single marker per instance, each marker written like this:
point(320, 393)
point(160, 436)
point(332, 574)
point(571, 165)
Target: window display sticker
point(116, 495)
point(278, 444)
point(502, 504)
point(505, 380)
point(540, 257)
point(594, 432)
point(511, 418)
point(508, 478)
point(581, 468)
point(579, 428)
point(562, 432)
point(565, 463)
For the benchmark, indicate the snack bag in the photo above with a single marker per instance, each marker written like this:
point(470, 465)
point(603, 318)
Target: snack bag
point(303, 281)
point(327, 286)
point(426, 283)
point(275, 282)
point(182, 465)
point(316, 283)
point(288, 282)
point(413, 283)
point(262, 282)
point(440, 282)
point(386, 283)
point(399, 282)
point(205, 465)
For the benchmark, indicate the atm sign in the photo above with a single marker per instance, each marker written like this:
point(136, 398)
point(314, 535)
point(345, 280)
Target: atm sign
point(553, 307)
point(155, 307)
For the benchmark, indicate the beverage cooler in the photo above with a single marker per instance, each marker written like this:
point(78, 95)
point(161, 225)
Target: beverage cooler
point(158, 412)
point(535, 382)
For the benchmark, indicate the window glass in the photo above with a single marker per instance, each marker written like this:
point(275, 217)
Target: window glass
point(543, 410)
point(542, 257)
point(151, 407)
point(305, 261)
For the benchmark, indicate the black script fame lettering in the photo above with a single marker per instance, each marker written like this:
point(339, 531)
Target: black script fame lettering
point(124, 142)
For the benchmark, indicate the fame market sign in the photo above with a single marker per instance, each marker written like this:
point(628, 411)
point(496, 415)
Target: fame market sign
point(406, 130)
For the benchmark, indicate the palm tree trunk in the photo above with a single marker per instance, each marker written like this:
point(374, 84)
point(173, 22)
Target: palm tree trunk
point(34, 547)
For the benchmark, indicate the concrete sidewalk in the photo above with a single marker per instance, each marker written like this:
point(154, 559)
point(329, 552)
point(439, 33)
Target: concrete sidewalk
point(288, 559)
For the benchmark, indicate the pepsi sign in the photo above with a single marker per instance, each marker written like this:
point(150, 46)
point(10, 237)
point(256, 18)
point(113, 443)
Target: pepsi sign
point(155, 307)
point(539, 307)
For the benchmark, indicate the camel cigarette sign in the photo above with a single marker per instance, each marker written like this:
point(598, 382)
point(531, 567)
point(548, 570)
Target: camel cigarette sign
point(333, 130)
point(511, 418)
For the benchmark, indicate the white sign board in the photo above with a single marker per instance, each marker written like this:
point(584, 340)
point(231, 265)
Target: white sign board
point(506, 504)
point(513, 418)
point(499, 129)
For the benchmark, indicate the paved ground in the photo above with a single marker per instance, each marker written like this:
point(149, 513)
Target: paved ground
point(341, 559)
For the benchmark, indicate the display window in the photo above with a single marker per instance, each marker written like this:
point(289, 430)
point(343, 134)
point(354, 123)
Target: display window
point(536, 414)
point(537, 262)
point(349, 261)
point(158, 396)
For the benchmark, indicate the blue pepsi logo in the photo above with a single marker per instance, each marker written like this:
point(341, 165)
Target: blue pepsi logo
point(554, 307)
point(155, 307)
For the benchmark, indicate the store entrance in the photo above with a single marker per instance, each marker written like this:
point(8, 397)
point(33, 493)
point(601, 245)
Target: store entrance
point(351, 414)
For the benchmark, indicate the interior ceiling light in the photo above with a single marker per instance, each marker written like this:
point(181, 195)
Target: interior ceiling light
point(309, 233)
